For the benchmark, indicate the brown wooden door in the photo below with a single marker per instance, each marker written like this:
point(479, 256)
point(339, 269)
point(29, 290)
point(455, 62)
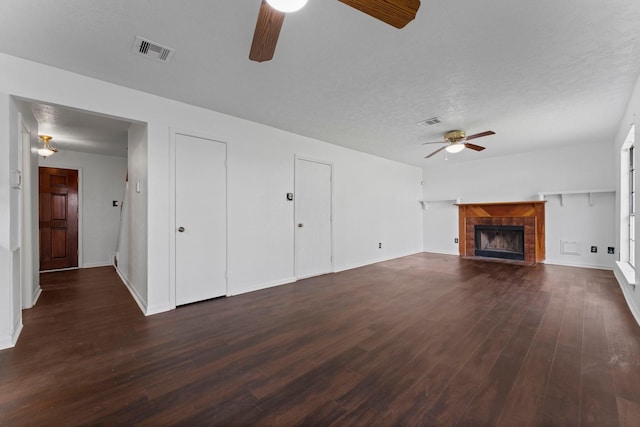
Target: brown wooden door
point(58, 218)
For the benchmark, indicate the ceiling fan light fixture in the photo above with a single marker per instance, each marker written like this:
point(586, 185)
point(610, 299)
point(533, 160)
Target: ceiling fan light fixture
point(287, 5)
point(46, 150)
point(455, 148)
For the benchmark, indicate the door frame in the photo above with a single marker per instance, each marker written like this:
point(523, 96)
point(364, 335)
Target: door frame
point(29, 293)
point(295, 211)
point(80, 215)
point(173, 131)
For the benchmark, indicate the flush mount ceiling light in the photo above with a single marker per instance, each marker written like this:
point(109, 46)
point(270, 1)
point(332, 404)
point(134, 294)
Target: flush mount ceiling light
point(456, 147)
point(46, 150)
point(287, 5)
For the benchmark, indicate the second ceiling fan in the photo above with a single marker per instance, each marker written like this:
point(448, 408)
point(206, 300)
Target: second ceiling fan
point(457, 140)
point(397, 13)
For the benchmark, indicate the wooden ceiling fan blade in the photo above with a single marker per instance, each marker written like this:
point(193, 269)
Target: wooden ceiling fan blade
point(474, 146)
point(435, 142)
point(436, 152)
point(480, 135)
point(265, 36)
point(397, 13)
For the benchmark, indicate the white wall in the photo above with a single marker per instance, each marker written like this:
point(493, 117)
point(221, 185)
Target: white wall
point(132, 249)
point(30, 241)
point(521, 177)
point(383, 194)
point(101, 182)
point(8, 328)
point(631, 292)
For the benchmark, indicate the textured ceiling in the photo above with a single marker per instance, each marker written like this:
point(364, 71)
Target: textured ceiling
point(540, 74)
point(81, 131)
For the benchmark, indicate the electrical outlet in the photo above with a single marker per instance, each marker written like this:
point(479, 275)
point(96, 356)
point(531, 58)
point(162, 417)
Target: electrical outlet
point(594, 249)
point(610, 250)
point(379, 245)
point(455, 240)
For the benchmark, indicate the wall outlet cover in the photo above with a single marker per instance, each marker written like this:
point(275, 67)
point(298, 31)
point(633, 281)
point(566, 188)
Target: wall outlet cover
point(594, 249)
point(611, 250)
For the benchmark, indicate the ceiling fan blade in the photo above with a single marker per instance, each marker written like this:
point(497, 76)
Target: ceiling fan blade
point(436, 152)
point(266, 33)
point(474, 146)
point(397, 13)
point(480, 135)
point(435, 142)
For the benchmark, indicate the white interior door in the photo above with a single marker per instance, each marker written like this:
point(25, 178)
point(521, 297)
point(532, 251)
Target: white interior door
point(313, 218)
point(201, 219)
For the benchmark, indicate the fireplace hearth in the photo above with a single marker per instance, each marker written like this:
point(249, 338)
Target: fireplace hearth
point(499, 241)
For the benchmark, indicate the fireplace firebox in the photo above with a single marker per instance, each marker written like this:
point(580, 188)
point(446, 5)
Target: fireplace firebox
point(499, 241)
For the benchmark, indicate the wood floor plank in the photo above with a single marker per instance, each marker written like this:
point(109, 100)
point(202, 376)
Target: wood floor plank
point(598, 404)
point(446, 389)
point(486, 405)
point(629, 412)
point(523, 403)
point(420, 340)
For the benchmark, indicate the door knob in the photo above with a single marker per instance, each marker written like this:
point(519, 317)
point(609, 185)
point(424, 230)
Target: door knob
point(181, 229)
point(300, 225)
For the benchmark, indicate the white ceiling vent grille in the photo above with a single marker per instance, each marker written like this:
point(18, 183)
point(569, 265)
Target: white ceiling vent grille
point(429, 122)
point(152, 50)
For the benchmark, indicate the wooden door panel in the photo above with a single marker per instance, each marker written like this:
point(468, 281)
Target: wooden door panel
point(58, 243)
point(59, 207)
point(58, 181)
point(58, 218)
point(44, 207)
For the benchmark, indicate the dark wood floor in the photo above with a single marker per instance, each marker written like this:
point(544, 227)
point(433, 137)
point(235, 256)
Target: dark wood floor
point(422, 340)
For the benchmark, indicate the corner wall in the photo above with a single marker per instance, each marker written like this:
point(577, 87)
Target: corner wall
point(521, 177)
point(132, 249)
point(8, 327)
point(30, 241)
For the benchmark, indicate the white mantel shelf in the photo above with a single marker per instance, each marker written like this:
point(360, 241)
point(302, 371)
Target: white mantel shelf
point(543, 194)
point(425, 203)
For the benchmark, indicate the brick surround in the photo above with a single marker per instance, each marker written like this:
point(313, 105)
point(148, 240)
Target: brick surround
point(530, 215)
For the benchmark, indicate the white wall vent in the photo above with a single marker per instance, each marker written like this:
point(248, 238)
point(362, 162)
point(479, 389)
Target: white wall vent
point(429, 122)
point(152, 50)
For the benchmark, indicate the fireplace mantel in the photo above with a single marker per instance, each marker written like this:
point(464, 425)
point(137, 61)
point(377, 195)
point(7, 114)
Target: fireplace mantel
point(529, 214)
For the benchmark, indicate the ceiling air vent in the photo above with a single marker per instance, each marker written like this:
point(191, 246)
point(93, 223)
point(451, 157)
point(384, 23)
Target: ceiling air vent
point(429, 122)
point(152, 50)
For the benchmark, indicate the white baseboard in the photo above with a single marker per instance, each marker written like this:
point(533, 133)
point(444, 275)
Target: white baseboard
point(364, 264)
point(6, 341)
point(569, 264)
point(352, 266)
point(97, 264)
point(9, 341)
point(627, 289)
point(36, 294)
point(156, 309)
point(134, 293)
point(457, 253)
point(261, 286)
